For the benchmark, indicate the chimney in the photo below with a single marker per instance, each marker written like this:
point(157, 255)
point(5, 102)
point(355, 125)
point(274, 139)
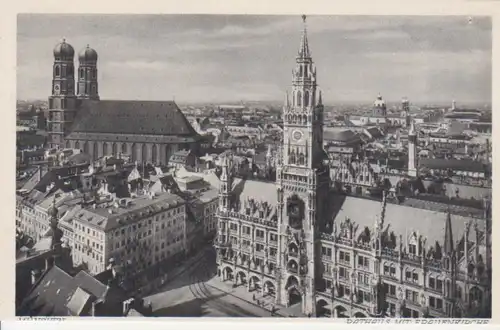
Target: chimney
point(126, 305)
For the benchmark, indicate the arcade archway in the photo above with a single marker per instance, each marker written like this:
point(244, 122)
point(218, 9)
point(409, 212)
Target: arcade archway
point(269, 289)
point(254, 283)
point(322, 308)
point(340, 312)
point(227, 274)
point(294, 296)
point(241, 278)
point(359, 315)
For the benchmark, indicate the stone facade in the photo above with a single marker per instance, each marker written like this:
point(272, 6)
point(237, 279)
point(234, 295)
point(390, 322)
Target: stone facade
point(342, 256)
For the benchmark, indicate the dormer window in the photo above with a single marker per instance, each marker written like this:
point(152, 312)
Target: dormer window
point(412, 249)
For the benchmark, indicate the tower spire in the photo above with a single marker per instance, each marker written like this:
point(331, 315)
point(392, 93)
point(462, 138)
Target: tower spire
point(304, 45)
point(448, 235)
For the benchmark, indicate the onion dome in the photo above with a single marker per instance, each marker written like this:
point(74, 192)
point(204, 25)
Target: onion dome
point(379, 102)
point(87, 55)
point(64, 49)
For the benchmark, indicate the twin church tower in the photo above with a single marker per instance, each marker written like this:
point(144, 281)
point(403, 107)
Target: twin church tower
point(64, 103)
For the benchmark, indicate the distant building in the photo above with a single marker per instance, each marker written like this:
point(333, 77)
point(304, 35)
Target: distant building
point(379, 116)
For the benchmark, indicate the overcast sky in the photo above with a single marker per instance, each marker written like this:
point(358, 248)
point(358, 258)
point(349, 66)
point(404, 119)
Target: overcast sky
point(202, 58)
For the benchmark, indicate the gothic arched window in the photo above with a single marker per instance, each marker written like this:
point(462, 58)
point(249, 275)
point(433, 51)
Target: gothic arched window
point(94, 73)
point(114, 149)
point(77, 145)
point(293, 158)
point(153, 156)
point(105, 149)
point(306, 98)
point(81, 73)
point(57, 71)
point(299, 99)
point(302, 159)
point(124, 148)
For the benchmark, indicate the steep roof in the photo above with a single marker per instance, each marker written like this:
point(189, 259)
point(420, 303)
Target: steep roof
point(343, 135)
point(132, 117)
point(59, 294)
point(402, 219)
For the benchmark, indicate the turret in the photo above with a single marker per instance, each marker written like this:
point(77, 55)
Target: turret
point(412, 151)
point(87, 74)
point(226, 184)
point(62, 102)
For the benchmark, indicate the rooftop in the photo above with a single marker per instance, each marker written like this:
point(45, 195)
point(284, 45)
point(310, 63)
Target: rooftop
point(110, 214)
point(132, 117)
point(402, 219)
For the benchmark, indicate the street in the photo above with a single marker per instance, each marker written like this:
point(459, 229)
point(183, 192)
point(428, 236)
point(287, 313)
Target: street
point(198, 292)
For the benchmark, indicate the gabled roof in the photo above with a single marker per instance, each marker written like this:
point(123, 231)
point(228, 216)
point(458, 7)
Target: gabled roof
point(132, 117)
point(79, 302)
point(401, 219)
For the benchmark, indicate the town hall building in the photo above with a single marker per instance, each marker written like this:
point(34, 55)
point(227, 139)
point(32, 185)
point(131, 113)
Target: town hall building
point(344, 256)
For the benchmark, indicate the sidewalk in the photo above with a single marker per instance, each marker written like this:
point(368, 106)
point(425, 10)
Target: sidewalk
point(184, 266)
point(241, 293)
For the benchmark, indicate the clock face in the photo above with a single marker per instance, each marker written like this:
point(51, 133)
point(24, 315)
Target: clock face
point(297, 135)
point(56, 88)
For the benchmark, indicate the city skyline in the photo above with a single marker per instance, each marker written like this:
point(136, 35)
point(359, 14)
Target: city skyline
point(223, 58)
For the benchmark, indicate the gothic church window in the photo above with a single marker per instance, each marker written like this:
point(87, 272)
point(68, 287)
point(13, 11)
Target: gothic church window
point(81, 73)
point(77, 145)
point(57, 71)
point(301, 159)
point(299, 99)
point(306, 98)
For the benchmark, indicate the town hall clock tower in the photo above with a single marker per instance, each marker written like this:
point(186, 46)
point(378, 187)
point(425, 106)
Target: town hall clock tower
point(303, 182)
